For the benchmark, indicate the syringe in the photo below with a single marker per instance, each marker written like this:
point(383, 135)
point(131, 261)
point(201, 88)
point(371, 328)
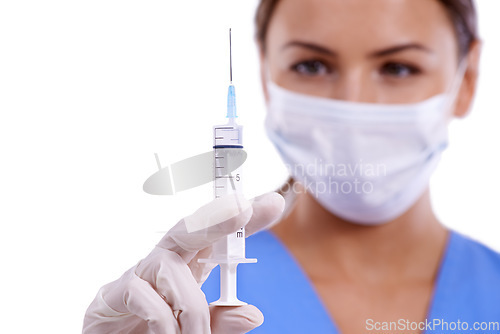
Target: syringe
point(228, 146)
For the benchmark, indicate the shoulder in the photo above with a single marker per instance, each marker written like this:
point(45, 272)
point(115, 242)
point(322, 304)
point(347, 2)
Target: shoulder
point(475, 257)
point(470, 278)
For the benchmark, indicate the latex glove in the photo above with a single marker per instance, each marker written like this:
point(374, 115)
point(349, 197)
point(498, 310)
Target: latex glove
point(162, 293)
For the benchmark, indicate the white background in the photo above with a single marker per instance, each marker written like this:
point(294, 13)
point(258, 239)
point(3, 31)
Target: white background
point(89, 90)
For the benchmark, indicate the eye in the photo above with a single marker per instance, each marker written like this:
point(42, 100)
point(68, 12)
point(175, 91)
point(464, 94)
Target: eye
point(399, 70)
point(310, 68)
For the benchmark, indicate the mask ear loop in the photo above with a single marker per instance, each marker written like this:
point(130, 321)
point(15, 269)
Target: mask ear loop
point(268, 81)
point(267, 72)
point(267, 76)
point(455, 87)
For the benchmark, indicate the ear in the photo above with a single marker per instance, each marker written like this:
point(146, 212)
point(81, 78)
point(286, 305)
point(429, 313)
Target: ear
point(263, 79)
point(469, 84)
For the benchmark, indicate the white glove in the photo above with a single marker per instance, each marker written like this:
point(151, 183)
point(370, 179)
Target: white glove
point(162, 294)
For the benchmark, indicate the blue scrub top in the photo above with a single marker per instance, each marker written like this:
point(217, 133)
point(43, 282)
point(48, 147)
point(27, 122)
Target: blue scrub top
point(467, 289)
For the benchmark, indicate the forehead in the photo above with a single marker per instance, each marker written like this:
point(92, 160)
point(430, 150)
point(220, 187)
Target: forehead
point(369, 23)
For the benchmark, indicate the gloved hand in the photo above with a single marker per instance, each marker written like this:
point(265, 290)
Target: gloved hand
point(162, 294)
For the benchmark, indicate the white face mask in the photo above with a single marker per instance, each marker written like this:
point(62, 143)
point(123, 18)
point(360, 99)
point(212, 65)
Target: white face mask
point(366, 163)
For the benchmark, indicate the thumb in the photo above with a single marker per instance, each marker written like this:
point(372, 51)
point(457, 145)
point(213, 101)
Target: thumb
point(234, 319)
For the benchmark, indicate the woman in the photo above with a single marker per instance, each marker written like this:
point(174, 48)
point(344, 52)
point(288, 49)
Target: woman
point(359, 97)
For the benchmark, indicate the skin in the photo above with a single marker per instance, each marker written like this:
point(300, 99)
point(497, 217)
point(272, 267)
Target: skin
point(380, 52)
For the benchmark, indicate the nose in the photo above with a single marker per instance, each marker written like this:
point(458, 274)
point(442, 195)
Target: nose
point(354, 85)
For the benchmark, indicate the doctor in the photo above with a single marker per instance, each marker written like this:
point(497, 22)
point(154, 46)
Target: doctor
point(360, 94)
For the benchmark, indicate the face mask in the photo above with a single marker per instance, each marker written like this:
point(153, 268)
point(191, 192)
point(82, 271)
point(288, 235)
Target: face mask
point(365, 163)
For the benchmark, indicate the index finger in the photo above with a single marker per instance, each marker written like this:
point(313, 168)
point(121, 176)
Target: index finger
point(208, 224)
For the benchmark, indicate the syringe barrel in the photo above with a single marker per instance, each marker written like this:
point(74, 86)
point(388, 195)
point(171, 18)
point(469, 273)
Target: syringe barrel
point(228, 151)
point(228, 136)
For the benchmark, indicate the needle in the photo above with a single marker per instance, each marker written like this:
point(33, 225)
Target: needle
point(230, 58)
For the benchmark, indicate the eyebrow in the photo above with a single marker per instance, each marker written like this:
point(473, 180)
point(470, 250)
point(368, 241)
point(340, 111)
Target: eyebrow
point(376, 54)
point(311, 46)
point(399, 48)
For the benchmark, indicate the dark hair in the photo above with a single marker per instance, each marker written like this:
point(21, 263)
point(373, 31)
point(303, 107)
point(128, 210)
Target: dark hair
point(461, 12)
